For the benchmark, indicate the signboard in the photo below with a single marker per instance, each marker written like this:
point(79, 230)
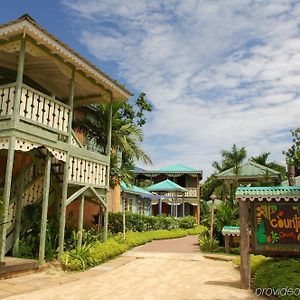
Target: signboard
point(277, 228)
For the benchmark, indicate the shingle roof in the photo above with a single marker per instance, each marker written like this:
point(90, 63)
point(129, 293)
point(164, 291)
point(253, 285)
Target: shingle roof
point(133, 189)
point(166, 186)
point(249, 169)
point(270, 193)
point(172, 169)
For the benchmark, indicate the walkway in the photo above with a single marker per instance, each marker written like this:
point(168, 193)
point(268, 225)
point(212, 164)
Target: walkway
point(172, 269)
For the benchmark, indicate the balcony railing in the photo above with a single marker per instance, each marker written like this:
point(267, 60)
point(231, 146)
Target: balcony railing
point(36, 108)
point(190, 193)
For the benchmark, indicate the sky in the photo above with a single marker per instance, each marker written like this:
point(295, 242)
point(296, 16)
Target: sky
point(217, 72)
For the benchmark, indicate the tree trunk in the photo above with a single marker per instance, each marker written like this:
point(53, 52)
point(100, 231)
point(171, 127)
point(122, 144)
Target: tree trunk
point(291, 174)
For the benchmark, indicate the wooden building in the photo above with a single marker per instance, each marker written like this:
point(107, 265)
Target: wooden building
point(42, 81)
point(186, 177)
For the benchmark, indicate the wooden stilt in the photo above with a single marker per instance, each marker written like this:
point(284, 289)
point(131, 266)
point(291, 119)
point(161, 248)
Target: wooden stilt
point(105, 229)
point(6, 193)
point(18, 218)
point(80, 222)
point(183, 208)
point(198, 201)
point(47, 175)
point(227, 243)
point(244, 246)
point(176, 205)
point(160, 206)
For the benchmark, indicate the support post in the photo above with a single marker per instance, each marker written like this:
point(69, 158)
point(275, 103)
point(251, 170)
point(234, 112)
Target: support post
point(62, 222)
point(160, 206)
point(108, 153)
point(80, 222)
point(18, 219)
point(124, 216)
point(227, 243)
point(183, 208)
point(19, 81)
point(244, 246)
point(176, 205)
point(47, 175)
point(105, 224)
point(198, 201)
point(6, 193)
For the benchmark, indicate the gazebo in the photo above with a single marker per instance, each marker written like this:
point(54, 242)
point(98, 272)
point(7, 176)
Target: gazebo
point(169, 190)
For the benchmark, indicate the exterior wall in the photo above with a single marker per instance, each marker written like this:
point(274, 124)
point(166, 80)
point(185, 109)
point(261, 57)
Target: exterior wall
point(191, 182)
point(90, 210)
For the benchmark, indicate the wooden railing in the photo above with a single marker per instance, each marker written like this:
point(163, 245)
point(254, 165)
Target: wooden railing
point(83, 171)
point(7, 96)
point(43, 110)
point(35, 107)
point(190, 193)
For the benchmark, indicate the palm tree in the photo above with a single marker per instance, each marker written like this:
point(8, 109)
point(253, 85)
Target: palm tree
point(262, 159)
point(92, 121)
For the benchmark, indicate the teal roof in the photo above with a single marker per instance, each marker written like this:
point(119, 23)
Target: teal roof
point(172, 169)
point(133, 189)
point(166, 186)
point(231, 230)
point(177, 168)
point(249, 170)
point(268, 191)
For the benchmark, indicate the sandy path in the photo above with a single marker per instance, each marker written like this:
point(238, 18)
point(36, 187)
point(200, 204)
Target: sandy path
point(152, 272)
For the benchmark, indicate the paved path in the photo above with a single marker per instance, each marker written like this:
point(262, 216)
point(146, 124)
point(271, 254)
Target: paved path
point(172, 269)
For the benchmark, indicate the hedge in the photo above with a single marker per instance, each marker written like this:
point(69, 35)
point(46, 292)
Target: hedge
point(95, 253)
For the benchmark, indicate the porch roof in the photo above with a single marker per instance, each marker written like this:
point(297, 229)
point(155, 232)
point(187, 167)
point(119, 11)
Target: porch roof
point(271, 193)
point(90, 78)
point(249, 170)
point(166, 186)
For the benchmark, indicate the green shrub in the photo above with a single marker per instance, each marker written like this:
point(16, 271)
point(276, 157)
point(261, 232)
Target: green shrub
point(206, 244)
point(255, 262)
point(197, 230)
point(187, 222)
point(97, 252)
point(278, 273)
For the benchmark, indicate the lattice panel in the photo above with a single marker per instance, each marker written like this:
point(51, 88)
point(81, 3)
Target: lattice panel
point(4, 142)
point(34, 192)
point(11, 215)
point(23, 145)
point(7, 96)
point(44, 110)
point(87, 172)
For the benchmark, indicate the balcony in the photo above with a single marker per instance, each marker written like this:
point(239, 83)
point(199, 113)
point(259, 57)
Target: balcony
point(86, 167)
point(190, 193)
point(36, 108)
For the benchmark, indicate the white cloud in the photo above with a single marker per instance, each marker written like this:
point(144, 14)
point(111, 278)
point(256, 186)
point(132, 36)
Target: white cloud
point(218, 72)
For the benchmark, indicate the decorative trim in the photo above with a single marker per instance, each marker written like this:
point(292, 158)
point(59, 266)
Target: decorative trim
point(270, 198)
point(11, 47)
point(58, 154)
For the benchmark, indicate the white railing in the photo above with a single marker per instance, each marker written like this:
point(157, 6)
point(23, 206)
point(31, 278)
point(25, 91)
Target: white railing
point(190, 193)
point(43, 110)
point(7, 96)
point(83, 171)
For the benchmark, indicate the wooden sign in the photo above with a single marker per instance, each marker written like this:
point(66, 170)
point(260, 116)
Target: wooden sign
point(276, 228)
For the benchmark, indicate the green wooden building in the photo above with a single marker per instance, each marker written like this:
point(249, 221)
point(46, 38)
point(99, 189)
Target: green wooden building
point(186, 177)
point(136, 199)
point(42, 81)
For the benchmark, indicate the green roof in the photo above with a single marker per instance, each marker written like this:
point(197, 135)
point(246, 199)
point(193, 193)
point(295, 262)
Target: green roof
point(166, 186)
point(172, 169)
point(231, 230)
point(177, 168)
point(133, 189)
point(249, 169)
point(268, 191)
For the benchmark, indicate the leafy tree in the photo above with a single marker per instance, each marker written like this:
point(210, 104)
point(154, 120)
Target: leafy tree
point(292, 157)
point(127, 134)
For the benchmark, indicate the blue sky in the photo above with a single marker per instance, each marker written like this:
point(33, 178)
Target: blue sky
point(217, 72)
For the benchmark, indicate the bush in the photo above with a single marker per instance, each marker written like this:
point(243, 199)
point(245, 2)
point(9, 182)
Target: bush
point(255, 262)
point(97, 252)
point(278, 273)
point(206, 244)
point(187, 222)
point(141, 223)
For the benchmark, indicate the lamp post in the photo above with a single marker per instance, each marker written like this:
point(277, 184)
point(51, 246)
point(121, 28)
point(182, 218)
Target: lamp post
point(213, 197)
